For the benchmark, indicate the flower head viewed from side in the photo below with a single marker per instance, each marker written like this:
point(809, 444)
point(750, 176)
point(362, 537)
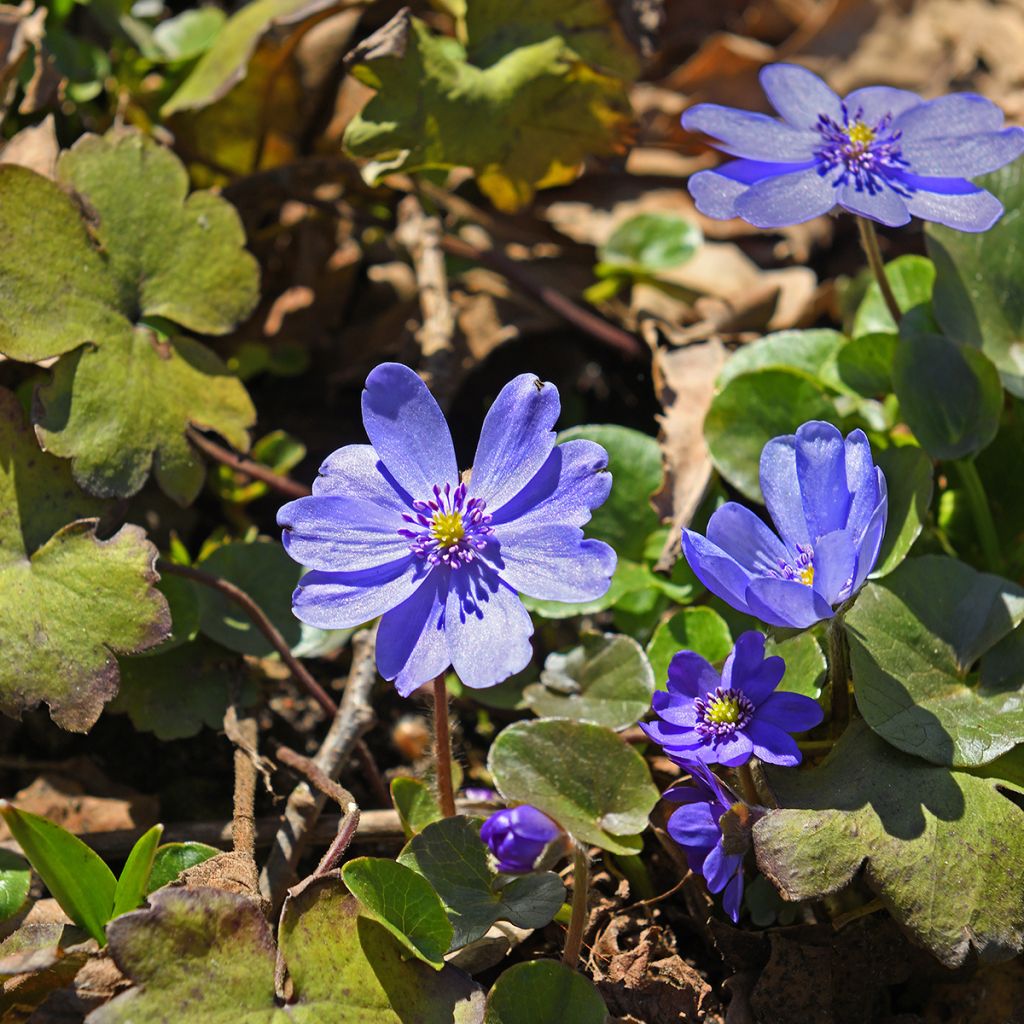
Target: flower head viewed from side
point(391, 530)
point(517, 836)
point(882, 153)
point(697, 828)
point(828, 502)
point(728, 718)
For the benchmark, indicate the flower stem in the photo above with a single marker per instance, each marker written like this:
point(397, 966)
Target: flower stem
point(839, 672)
point(869, 242)
point(982, 514)
point(443, 748)
point(748, 785)
point(580, 890)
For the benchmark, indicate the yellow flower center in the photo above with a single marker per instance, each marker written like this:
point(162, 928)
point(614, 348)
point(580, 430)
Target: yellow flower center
point(806, 576)
point(447, 529)
point(860, 135)
point(723, 711)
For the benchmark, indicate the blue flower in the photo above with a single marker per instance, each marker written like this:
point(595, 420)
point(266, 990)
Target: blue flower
point(828, 502)
point(881, 153)
point(517, 836)
point(392, 530)
point(696, 827)
point(727, 718)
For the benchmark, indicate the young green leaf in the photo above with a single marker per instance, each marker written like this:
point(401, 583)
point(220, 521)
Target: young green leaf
point(76, 877)
point(15, 880)
point(172, 858)
point(649, 242)
point(911, 278)
point(133, 884)
point(692, 629)
point(416, 805)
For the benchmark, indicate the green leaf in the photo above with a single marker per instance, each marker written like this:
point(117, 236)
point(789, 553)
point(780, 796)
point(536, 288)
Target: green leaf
point(805, 663)
point(67, 599)
point(416, 805)
point(173, 858)
point(184, 605)
point(15, 881)
point(123, 393)
point(277, 450)
point(804, 352)
point(527, 99)
point(451, 856)
point(864, 365)
point(583, 776)
point(942, 849)
point(541, 991)
point(76, 877)
point(133, 884)
point(691, 629)
point(950, 395)
point(648, 242)
point(978, 300)
point(606, 679)
point(752, 409)
point(915, 636)
point(909, 479)
point(405, 903)
point(187, 35)
point(911, 278)
point(174, 695)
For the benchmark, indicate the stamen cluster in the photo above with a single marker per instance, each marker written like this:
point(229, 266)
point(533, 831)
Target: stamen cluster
point(451, 530)
point(802, 568)
point(869, 155)
point(722, 712)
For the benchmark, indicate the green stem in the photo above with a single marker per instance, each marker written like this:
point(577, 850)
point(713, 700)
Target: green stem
point(580, 891)
point(443, 749)
point(981, 513)
point(838, 672)
point(748, 785)
point(869, 243)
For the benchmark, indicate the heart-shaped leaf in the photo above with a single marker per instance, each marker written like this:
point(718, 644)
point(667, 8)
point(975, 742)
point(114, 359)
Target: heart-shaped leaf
point(583, 776)
point(804, 352)
point(416, 805)
point(915, 636)
point(544, 990)
point(700, 629)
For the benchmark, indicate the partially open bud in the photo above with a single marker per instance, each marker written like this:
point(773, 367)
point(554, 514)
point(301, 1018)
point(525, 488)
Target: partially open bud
point(519, 837)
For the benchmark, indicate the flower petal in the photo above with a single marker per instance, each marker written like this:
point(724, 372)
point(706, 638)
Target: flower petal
point(694, 826)
point(964, 156)
point(719, 572)
point(515, 440)
point(773, 744)
point(871, 541)
point(861, 480)
point(961, 113)
point(754, 136)
point(674, 709)
point(356, 470)
point(411, 646)
point(781, 489)
point(747, 668)
point(732, 896)
point(731, 752)
point(835, 566)
point(340, 600)
point(573, 480)
point(799, 95)
point(487, 627)
point(874, 102)
point(974, 212)
point(789, 199)
point(884, 206)
point(674, 738)
point(408, 430)
point(690, 675)
point(791, 712)
point(821, 477)
point(341, 534)
point(745, 537)
point(786, 603)
point(715, 192)
point(719, 868)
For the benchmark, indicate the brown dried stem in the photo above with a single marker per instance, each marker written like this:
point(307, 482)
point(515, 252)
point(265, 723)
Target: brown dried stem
point(257, 471)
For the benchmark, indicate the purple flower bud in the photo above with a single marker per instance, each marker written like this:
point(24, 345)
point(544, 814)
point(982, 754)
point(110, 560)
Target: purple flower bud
point(517, 837)
point(480, 795)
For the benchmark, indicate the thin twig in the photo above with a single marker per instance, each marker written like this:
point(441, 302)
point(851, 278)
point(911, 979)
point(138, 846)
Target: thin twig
point(346, 833)
point(626, 344)
point(243, 818)
point(869, 242)
point(443, 748)
point(283, 484)
point(261, 622)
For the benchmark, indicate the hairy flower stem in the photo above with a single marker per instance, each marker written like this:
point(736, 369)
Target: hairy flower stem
point(869, 242)
point(443, 749)
point(839, 672)
point(580, 890)
point(747, 784)
point(981, 513)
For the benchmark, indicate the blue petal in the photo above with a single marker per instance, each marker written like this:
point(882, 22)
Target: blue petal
point(715, 192)
point(862, 481)
point(835, 566)
point(340, 600)
point(694, 826)
point(821, 476)
point(944, 186)
point(411, 647)
point(799, 95)
point(515, 440)
point(690, 675)
point(781, 489)
point(789, 199)
point(973, 212)
point(408, 430)
point(884, 206)
point(357, 470)
point(553, 563)
point(731, 752)
point(791, 712)
point(732, 896)
point(341, 534)
point(573, 480)
point(747, 668)
point(742, 535)
point(786, 603)
point(719, 572)
point(674, 710)
point(487, 627)
point(871, 541)
point(964, 156)
point(875, 101)
point(754, 136)
point(961, 113)
point(672, 737)
point(719, 868)
point(773, 744)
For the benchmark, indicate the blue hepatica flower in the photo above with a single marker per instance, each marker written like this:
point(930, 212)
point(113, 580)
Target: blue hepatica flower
point(392, 530)
point(727, 718)
point(828, 502)
point(881, 153)
point(696, 827)
point(517, 836)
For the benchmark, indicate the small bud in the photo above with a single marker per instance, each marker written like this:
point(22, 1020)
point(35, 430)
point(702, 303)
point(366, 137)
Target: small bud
point(518, 836)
